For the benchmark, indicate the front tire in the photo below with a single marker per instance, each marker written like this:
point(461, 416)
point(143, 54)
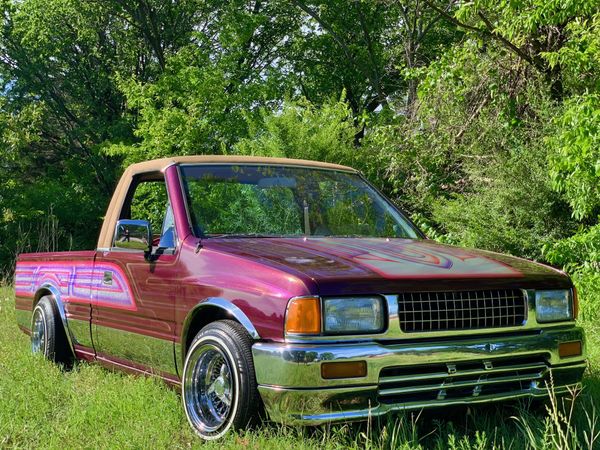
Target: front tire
point(219, 384)
point(48, 336)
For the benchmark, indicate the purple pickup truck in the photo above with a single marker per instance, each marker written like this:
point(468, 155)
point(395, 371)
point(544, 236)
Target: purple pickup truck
point(295, 288)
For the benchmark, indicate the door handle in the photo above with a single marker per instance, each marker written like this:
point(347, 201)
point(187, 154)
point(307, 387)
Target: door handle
point(107, 278)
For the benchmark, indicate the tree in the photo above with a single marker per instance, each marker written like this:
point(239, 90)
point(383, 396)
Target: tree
point(364, 48)
point(531, 30)
point(200, 102)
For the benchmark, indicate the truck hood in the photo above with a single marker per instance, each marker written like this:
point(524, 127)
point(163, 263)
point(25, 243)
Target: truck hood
point(367, 265)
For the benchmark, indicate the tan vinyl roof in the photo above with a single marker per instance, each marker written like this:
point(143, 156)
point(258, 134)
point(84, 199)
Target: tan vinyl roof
point(160, 164)
point(156, 165)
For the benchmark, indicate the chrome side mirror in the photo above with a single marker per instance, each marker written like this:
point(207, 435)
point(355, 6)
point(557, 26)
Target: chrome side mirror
point(133, 235)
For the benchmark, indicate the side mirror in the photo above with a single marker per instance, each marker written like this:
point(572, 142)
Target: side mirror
point(133, 235)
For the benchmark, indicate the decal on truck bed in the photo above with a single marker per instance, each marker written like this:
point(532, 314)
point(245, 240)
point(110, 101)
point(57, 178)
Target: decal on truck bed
point(102, 284)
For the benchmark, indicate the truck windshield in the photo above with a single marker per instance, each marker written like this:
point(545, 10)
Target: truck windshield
point(282, 201)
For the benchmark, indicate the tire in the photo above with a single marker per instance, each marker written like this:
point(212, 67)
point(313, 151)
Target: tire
point(48, 334)
point(219, 390)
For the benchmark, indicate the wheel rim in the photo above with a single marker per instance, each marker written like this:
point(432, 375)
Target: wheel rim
point(38, 332)
point(209, 388)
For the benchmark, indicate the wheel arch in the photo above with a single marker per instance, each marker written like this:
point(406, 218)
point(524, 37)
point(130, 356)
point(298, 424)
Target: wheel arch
point(51, 291)
point(205, 312)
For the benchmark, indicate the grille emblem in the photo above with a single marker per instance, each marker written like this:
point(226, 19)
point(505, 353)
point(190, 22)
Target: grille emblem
point(487, 365)
point(451, 369)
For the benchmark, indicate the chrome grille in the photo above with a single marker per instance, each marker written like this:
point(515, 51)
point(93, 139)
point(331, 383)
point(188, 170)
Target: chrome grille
point(461, 380)
point(461, 310)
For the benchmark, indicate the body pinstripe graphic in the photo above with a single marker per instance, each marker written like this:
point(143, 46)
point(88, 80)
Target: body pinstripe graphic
point(76, 282)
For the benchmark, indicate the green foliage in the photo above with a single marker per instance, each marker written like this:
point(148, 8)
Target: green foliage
point(535, 31)
point(496, 214)
point(304, 131)
point(472, 165)
point(587, 280)
point(199, 102)
point(580, 255)
point(187, 110)
point(581, 249)
point(575, 167)
point(579, 57)
point(517, 20)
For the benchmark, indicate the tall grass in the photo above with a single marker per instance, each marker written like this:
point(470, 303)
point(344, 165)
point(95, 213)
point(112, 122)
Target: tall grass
point(42, 235)
point(89, 407)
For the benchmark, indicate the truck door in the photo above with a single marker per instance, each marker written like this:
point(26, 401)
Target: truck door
point(133, 311)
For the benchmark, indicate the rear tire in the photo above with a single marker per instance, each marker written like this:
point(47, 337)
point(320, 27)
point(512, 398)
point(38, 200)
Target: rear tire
point(219, 384)
point(48, 336)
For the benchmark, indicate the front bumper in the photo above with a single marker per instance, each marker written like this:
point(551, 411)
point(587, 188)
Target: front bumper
point(411, 375)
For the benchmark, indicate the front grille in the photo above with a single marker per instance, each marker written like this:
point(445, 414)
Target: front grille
point(442, 382)
point(462, 310)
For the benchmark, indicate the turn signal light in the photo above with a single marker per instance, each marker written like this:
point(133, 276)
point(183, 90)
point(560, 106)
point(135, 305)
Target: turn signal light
point(303, 316)
point(575, 303)
point(350, 369)
point(566, 349)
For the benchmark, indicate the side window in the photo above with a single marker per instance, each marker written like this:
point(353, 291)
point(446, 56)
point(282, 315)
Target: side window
point(150, 202)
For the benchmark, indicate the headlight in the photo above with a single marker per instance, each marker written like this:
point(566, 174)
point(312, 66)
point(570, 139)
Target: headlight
point(352, 315)
point(553, 306)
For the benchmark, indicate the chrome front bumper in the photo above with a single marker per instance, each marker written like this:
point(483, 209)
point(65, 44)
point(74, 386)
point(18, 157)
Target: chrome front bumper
point(293, 391)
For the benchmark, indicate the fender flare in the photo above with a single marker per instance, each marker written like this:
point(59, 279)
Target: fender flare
point(55, 294)
point(214, 302)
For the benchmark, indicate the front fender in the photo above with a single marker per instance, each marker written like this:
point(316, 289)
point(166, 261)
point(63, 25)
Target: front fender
point(225, 308)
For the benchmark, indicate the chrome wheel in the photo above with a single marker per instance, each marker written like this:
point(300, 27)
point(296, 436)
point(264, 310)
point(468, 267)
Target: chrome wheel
point(38, 331)
point(210, 390)
point(219, 390)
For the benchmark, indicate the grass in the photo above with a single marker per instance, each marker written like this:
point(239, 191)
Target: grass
point(89, 407)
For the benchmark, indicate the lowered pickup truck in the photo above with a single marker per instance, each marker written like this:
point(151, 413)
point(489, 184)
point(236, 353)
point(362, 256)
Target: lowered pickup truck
point(295, 286)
